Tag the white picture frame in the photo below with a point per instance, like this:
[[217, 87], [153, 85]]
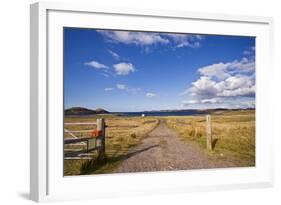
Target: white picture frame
[[46, 177]]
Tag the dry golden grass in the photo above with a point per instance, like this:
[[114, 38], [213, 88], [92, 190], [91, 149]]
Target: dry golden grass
[[233, 134], [122, 133]]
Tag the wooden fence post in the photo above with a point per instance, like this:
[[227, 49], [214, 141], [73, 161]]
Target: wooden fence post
[[101, 139], [209, 132]]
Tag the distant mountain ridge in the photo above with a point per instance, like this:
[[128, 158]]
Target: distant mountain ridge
[[84, 111], [200, 110]]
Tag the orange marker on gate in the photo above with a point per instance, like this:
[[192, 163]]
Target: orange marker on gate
[[96, 133]]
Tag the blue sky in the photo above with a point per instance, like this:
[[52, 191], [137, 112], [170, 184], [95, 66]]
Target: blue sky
[[137, 71]]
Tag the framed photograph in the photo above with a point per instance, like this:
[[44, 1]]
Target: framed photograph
[[128, 102]]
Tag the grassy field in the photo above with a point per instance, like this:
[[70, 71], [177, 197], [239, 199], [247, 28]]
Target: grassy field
[[233, 138], [122, 133], [233, 134]]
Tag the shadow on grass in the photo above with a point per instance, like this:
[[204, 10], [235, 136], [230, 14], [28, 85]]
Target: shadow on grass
[[93, 165], [214, 142]]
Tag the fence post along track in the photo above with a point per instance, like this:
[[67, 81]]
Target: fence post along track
[[209, 132], [101, 139], [94, 141]]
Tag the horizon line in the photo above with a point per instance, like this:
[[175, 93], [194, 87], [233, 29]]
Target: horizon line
[[158, 110]]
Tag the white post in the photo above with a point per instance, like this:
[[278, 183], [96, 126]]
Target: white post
[[209, 132], [101, 139]]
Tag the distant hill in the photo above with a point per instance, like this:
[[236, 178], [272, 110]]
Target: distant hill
[[84, 111], [101, 111], [200, 110]]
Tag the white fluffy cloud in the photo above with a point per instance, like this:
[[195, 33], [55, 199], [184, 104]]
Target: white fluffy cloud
[[123, 68], [225, 70], [96, 65], [235, 82], [138, 38], [219, 70], [250, 51], [119, 68], [151, 38], [203, 87], [245, 65], [246, 52], [212, 100], [224, 82], [121, 86], [108, 89], [189, 102], [240, 85], [233, 86], [185, 40], [150, 95], [128, 89], [203, 101], [243, 91]]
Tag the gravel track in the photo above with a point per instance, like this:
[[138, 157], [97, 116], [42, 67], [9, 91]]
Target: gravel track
[[163, 150]]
